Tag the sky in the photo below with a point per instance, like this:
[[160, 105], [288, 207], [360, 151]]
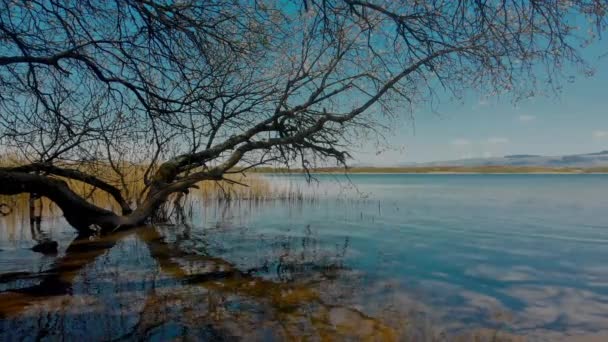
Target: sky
[[575, 121]]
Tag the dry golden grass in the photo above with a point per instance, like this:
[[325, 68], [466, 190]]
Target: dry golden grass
[[255, 187], [129, 178]]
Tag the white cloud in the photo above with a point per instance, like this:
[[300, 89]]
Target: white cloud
[[482, 102], [526, 118], [460, 142], [600, 135], [497, 140]]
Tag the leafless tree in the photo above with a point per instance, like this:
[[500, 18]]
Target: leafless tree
[[193, 90]]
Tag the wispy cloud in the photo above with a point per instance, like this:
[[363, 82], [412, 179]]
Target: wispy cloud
[[598, 135], [498, 140], [460, 142], [526, 118]]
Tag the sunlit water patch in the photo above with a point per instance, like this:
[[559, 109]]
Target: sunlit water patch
[[422, 257]]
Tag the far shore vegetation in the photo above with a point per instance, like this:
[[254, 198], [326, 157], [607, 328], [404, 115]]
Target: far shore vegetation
[[442, 169]]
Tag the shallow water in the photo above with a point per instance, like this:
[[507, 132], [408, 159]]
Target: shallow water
[[411, 257]]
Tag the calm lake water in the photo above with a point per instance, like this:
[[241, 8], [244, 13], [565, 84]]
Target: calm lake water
[[409, 257]]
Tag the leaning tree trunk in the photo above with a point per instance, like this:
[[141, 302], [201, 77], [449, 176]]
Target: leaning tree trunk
[[79, 213], [85, 216]]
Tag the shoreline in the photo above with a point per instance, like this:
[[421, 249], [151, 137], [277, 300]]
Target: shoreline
[[436, 173], [440, 170]]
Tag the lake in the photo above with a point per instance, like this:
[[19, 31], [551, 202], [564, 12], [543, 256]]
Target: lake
[[371, 256]]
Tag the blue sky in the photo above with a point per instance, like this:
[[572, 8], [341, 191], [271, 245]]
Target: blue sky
[[575, 121]]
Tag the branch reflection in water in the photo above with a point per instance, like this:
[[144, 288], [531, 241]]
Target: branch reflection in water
[[167, 293], [223, 281]]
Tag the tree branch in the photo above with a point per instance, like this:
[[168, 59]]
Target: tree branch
[[78, 212], [76, 175]]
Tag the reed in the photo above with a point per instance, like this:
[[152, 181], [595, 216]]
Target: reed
[[243, 188], [129, 178]]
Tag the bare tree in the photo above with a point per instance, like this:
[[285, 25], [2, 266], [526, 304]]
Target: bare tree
[[193, 90]]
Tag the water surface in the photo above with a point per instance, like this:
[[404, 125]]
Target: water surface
[[372, 256]]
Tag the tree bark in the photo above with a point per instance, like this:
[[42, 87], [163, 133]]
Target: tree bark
[[85, 216], [79, 176], [78, 212]]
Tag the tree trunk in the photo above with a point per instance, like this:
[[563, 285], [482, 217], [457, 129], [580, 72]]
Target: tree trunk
[[79, 213]]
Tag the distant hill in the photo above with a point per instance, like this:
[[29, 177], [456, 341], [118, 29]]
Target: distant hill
[[573, 160]]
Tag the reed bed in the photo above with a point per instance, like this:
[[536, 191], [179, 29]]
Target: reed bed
[[253, 187]]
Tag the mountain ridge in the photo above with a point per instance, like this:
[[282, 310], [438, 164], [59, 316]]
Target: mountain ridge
[[570, 160]]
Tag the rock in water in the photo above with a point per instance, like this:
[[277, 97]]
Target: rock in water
[[47, 247]]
